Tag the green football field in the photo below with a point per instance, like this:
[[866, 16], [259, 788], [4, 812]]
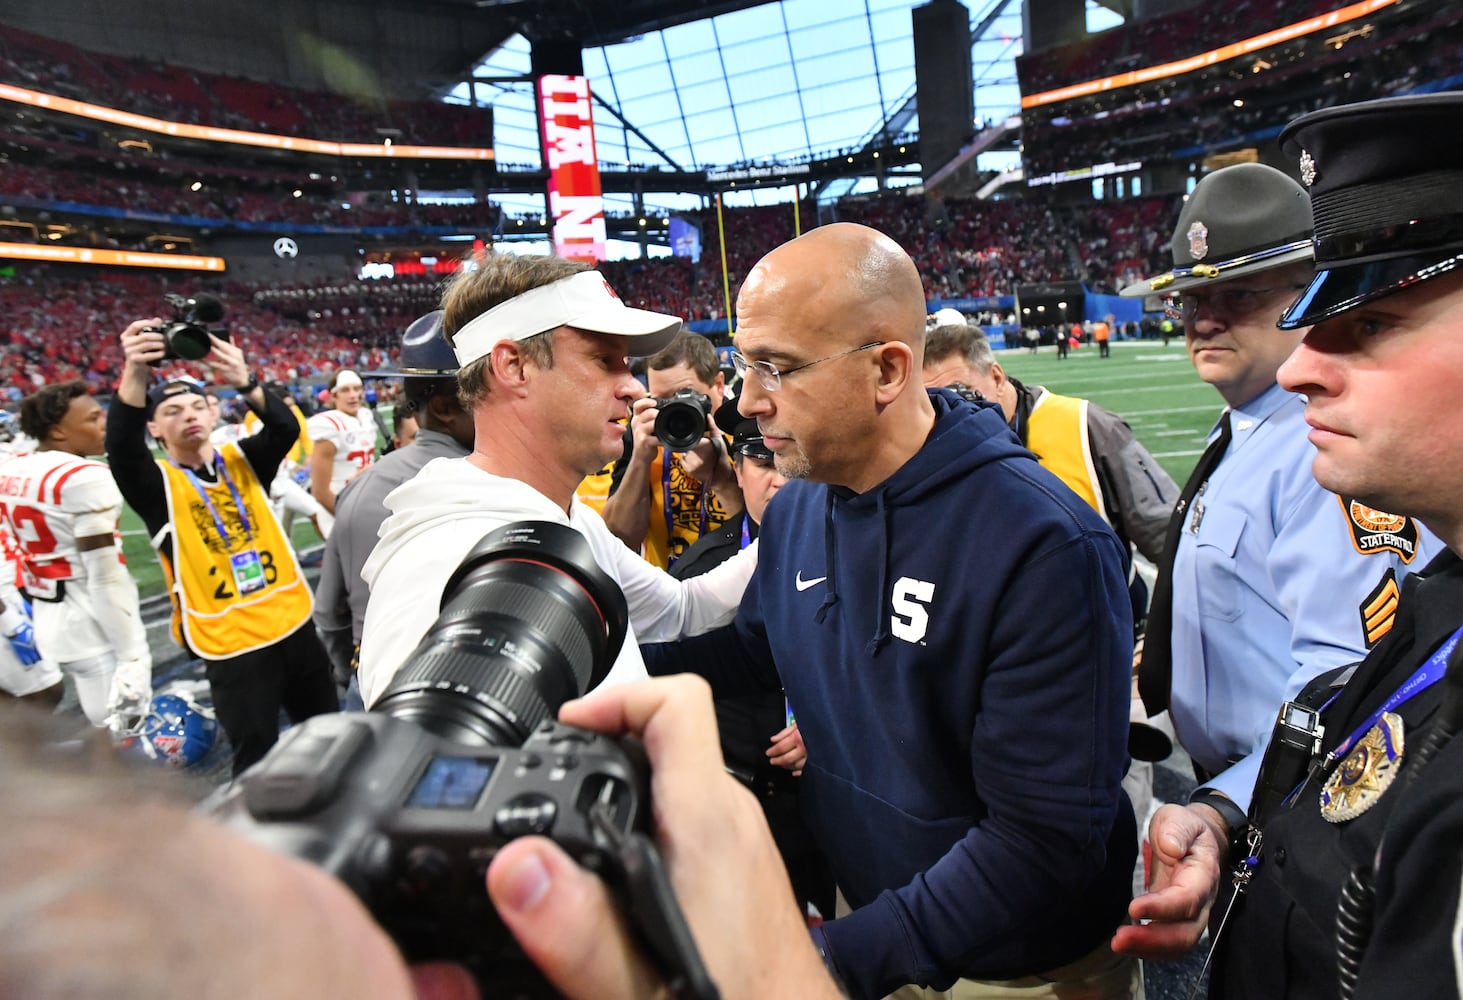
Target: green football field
[[1151, 386]]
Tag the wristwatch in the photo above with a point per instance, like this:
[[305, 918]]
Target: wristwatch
[[249, 386]]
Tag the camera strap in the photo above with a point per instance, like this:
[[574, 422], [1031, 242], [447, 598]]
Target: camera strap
[[653, 911]]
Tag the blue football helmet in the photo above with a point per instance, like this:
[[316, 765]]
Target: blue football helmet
[[178, 731], [9, 426]]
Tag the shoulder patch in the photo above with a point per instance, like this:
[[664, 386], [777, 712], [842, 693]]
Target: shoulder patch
[[1375, 530], [1379, 608]]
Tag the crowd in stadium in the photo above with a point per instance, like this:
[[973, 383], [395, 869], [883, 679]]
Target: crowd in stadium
[[176, 93]]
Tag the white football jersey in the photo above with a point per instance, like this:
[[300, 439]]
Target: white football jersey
[[354, 438], [48, 500]]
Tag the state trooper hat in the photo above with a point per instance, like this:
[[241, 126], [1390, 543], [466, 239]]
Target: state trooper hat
[[425, 353], [1386, 187], [1239, 220], [746, 436]]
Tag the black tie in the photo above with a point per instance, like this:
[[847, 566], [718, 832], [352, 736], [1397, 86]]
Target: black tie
[[1155, 670]]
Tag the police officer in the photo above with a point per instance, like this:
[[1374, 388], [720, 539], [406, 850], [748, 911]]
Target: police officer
[[1267, 579], [429, 369], [1356, 889]]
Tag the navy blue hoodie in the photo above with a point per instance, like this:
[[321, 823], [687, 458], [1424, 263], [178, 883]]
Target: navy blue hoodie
[[956, 644]]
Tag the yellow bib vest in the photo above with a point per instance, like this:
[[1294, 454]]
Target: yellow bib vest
[[213, 614], [1056, 431]]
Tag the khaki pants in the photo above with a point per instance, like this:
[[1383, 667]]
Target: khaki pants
[[1099, 975]]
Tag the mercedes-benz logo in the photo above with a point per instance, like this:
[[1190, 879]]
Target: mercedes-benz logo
[[286, 247]]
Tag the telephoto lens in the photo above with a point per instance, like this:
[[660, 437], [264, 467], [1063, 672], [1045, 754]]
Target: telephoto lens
[[528, 622]]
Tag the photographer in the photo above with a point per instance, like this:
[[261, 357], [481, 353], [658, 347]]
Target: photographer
[[429, 370], [661, 501], [240, 601], [85, 840]]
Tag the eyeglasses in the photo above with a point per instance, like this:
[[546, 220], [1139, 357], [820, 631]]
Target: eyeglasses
[[1223, 301], [769, 375]]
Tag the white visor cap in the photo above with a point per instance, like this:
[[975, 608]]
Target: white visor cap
[[584, 301]]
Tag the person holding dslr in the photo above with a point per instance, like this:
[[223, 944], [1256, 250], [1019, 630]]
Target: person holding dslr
[[664, 495], [85, 841], [240, 601]]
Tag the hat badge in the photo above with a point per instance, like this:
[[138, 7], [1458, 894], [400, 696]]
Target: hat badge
[[1198, 240], [1307, 169]]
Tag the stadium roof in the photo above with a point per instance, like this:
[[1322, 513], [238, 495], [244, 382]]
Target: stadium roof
[[688, 86]]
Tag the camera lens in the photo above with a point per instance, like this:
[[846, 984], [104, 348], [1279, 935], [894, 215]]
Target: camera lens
[[528, 622], [680, 424], [187, 341]]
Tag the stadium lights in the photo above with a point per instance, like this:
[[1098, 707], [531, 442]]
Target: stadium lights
[[196, 186]]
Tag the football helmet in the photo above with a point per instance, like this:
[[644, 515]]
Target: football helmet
[[9, 426], [178, 731]]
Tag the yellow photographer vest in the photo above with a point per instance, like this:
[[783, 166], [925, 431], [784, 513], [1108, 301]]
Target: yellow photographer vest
[[1056, 431], [225, 602]]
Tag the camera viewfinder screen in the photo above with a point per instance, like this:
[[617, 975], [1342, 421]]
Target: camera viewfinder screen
[[451, 783]]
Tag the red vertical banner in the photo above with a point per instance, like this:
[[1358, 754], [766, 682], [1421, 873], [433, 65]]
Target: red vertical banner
[[567, 128]]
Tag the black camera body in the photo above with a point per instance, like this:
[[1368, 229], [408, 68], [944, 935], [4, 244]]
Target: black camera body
[[186, 335], [408, 803], [410, 820], [682, 417]]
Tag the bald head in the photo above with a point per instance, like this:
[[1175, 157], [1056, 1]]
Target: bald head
[[829, 276], [840, 314]]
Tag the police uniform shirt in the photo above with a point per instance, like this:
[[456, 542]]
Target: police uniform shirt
[[1281, 940], [1270, 582]]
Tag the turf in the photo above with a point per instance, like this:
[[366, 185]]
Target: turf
[[1152, 387]]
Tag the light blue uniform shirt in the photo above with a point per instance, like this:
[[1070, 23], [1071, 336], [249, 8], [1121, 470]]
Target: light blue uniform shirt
[[1268, 586]]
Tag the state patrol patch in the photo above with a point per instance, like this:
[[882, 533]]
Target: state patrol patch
[[1375, 530]]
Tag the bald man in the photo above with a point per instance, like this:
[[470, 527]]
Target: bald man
[[962, 688]]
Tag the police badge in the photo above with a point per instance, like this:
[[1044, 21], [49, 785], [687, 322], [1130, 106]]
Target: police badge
[[1198, 240], [1307, 169], [1365, 773]]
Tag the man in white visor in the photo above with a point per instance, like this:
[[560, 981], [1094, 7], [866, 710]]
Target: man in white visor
[[543, 345]]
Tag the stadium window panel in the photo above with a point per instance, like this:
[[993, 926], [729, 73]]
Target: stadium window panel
[[777, 83]]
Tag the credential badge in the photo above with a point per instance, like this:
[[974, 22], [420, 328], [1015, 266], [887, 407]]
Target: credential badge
[[1198, 240], [1307, 169]]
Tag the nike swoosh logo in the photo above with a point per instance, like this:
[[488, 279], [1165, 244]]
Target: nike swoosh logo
[[802, 584]]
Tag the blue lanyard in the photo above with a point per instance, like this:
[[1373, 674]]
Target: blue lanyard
[[218, 521], [746, 530], [1422, 678]]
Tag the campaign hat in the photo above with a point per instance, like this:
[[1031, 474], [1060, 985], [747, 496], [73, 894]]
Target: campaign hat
[[1239, 220], [1386, 186], [424, 352], [746, 436]]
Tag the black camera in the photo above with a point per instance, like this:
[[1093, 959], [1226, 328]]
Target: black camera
[[407, 804], [186, 336], [682, 418]]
